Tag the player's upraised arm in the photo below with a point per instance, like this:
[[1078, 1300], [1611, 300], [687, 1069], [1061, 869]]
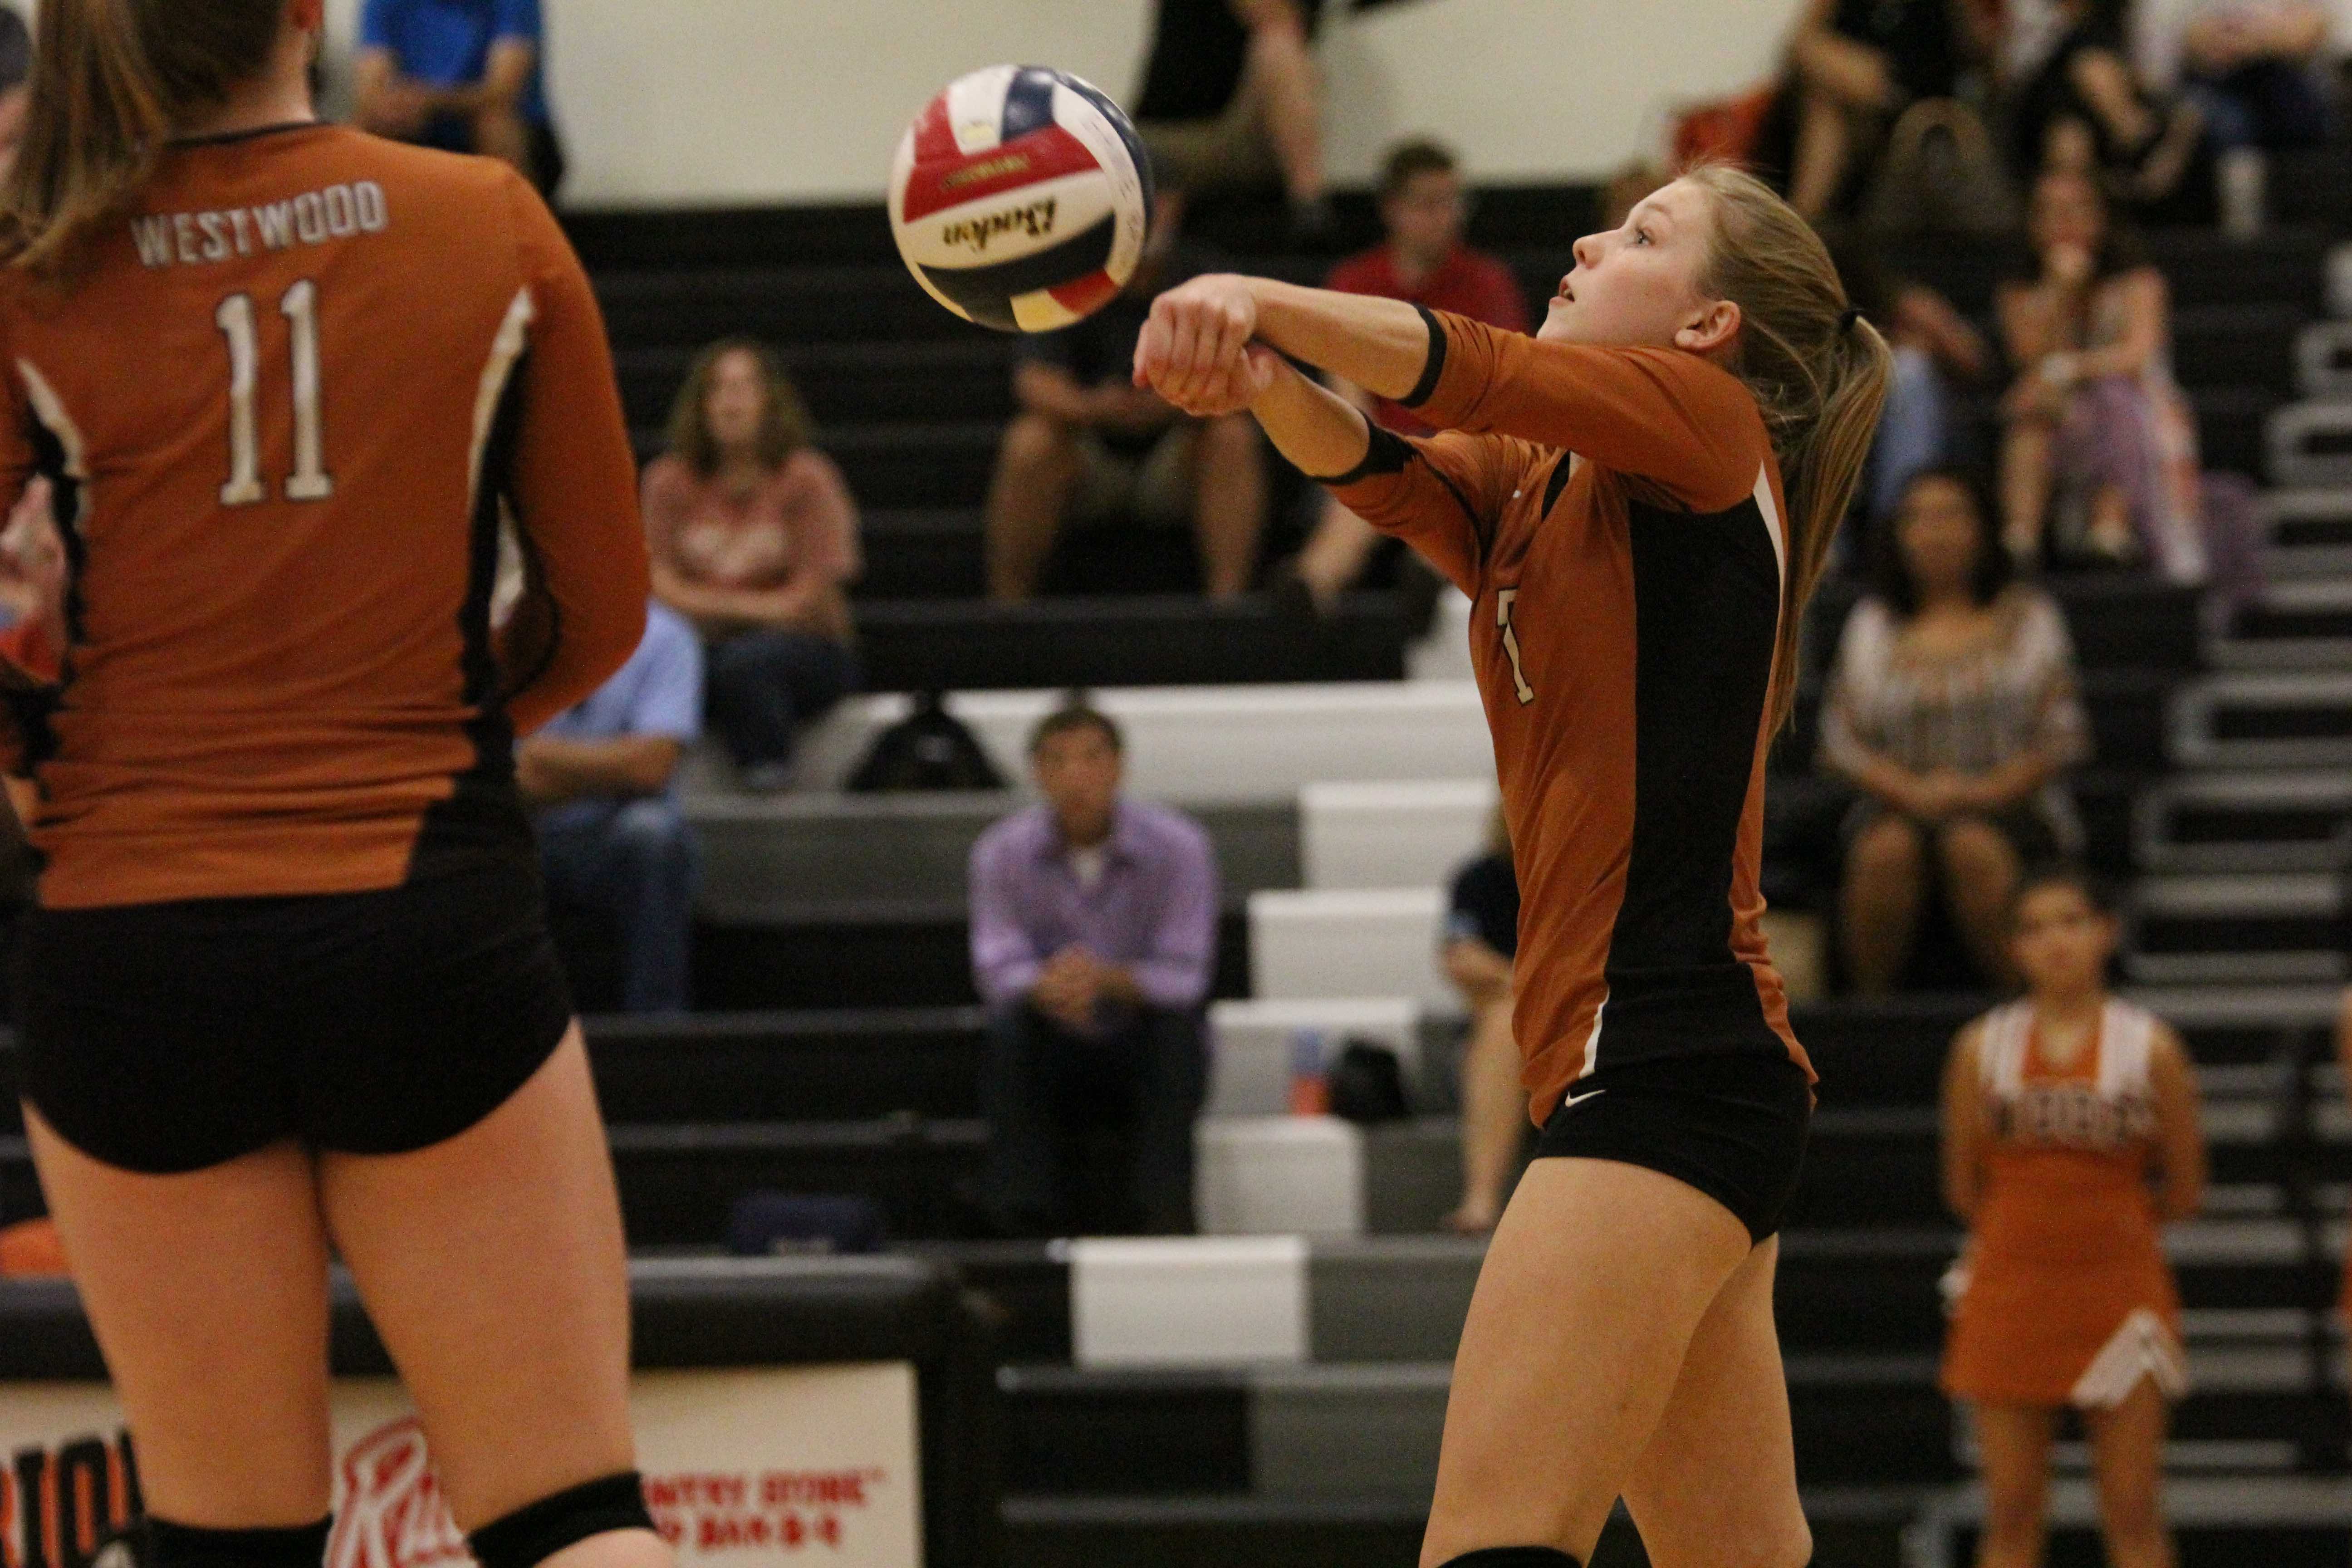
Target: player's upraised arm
[[575, 488], [1659, 414], [1440, 497]]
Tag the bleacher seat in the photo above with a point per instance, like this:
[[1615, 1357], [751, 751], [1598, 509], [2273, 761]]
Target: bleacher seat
[[1259, 1175], [1359, 942], [1179, 1301], [1250, 1043], [1409, 834], [1211, 743]]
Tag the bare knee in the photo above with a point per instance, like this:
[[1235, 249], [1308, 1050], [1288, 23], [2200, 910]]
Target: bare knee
[[1977, 858], [2013, 1524], [1227, 441], [1035, 443], [1887, 852]]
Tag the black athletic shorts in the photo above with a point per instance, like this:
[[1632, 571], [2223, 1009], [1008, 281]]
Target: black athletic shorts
[[172, 1037], [1732, 1126]]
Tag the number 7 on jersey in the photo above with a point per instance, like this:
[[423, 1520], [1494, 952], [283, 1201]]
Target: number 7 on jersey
[[1505, 600], [310, 481]]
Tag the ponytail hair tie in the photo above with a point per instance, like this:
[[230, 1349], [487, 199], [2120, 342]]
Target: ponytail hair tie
[[1847, 317]]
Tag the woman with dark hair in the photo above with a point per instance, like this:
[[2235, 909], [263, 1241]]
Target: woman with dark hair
[[754, 538], [2100, 457], [1952, 707]]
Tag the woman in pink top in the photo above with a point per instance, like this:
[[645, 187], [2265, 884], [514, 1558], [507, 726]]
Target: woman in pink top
[[754, 538]]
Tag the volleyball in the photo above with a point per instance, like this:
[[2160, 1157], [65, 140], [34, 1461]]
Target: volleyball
[[1019, 198]]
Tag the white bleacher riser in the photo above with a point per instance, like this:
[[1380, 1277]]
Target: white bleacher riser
[[2192, 708], [2311, 596], [2296, 430], [1401, 834], [2339, 280], [1278, 1176], [1188, 1300], [2317, 792], [1249, 1045], [1445, 652], [1371, 942], [2285, 896], [1205, 743], [2323, 360], [2281, 515]]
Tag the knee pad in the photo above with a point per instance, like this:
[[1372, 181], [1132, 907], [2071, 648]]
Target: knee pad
[[159, 1544], [537, 1532], [1514, 1557]]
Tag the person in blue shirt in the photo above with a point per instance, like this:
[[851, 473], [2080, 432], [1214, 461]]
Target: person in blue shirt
[[610, 837], [461, 75]]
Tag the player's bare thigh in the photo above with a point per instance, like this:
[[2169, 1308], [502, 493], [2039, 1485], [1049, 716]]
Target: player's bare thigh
[[1717, 1488], [493, 1266], [208, 1293], [1598, 1276]]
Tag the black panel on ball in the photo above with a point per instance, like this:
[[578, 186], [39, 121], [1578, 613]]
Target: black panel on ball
[[986, 293]]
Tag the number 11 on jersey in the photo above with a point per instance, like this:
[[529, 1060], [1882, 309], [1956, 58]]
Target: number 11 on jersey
[[1504, 599], [310, 480]]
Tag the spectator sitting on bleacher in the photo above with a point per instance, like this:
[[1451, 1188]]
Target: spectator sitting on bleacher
[[2086, 111], [466, 76], [2252, 68], [1937, 352], [1231, 99], [602, 780], [1953, 707], [1094, 927], [1857, 67], [2099, 462], [1089, 445], [1423, 209], [754, 538], [1482, 938]]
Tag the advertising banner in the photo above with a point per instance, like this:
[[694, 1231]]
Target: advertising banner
[[748, 1468]]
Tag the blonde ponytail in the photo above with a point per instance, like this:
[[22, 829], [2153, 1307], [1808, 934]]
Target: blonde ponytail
[[110, 79], [1819, 373]]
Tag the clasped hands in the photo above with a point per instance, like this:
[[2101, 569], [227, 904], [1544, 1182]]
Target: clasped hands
[[1073, 984], [1198, 349]]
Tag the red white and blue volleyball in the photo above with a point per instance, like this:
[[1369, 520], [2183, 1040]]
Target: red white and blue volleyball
[[1020, 197]]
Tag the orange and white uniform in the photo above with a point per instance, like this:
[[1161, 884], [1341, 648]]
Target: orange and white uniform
[[287, 403], [2065, 1296]]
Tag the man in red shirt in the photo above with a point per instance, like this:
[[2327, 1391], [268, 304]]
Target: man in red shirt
[[1423, 207]]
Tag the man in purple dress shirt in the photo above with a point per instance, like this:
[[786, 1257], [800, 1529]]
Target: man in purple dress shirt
[[1094, 933]]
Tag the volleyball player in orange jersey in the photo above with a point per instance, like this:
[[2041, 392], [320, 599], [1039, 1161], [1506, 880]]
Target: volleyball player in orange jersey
[[2058, 1109], [288, 986], [1639, 499]]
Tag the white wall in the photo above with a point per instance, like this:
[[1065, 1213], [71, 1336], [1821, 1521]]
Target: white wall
[[715, 101]]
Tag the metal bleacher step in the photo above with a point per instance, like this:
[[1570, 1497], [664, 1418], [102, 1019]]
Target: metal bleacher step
[[2272, 821], [2280, 927], [2299, 624], [2309, 443], [2323, 360], [2262, 721], [2305, 533]]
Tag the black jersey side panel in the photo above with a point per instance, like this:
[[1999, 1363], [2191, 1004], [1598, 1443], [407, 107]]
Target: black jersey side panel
[[1707, 607]]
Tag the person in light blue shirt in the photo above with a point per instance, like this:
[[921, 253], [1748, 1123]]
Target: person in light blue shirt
[[602, 779], [462, 75]]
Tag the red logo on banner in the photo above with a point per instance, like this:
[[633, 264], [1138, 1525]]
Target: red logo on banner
[[392, 1513]]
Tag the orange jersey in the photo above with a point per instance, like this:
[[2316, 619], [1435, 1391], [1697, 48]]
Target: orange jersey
[[287, 402], [1614, 515], [2065, 1296]]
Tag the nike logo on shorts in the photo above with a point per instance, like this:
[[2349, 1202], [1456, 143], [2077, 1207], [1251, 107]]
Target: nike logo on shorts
[[1573, 1101]]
